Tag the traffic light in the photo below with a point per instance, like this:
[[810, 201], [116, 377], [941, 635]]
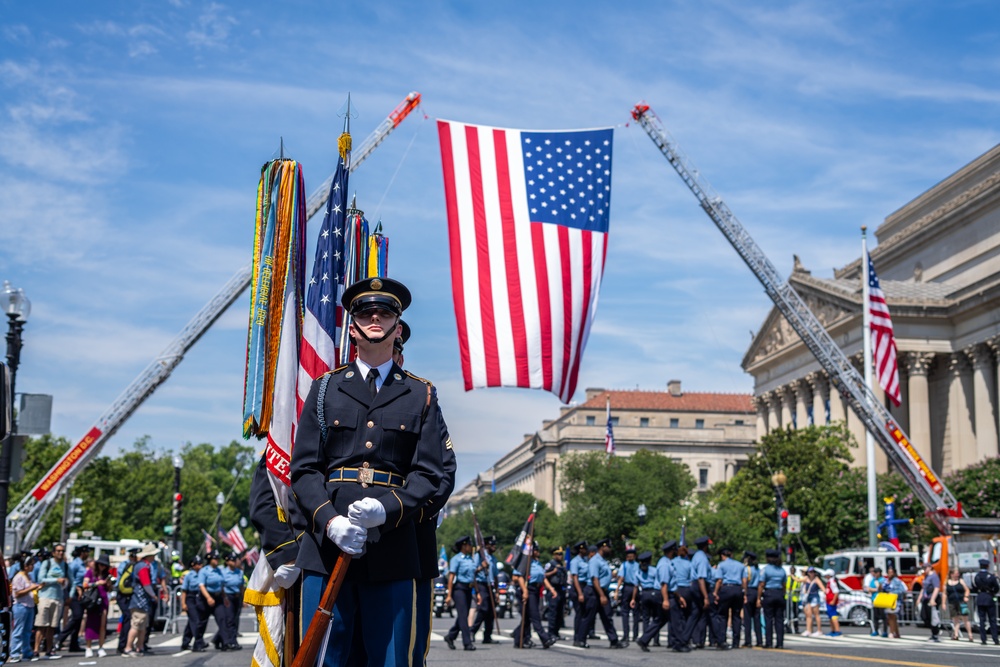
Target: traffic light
[[790, 555], [75, 517], [176, 516], [783, 522]]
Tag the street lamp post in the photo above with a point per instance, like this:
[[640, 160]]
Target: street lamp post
[[641, 511], [779, 479], [178, 502], [18, 307], [220, 500]]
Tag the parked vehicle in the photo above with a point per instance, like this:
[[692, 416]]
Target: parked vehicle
[[851, 566]]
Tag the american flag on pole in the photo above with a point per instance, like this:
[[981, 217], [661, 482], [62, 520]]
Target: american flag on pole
[[609, 435], [208, 541], [224, 538], [528, 220], [324, 315], [883, 341], [236, 539]]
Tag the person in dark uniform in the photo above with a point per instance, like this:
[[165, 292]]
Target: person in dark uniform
[[623, 594], [700, 575], [681, 601], [578, 576], [644, 603], [751, 614], [214, 580], [461, 574], [232, 588], [730, 593], [486, 577], [987, 587], [368, 458], [555, 611], [531, 586], [771, 599], [194, 602], [595, 593]]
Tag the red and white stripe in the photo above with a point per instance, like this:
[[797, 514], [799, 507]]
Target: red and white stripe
[[883, 340], [236, 539], [318, 352], [525, 292]]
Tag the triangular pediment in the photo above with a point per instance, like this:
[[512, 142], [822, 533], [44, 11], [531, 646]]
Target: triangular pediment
[[830, 302]]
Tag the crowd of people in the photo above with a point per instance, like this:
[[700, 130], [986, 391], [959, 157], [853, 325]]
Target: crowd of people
[[61, 603], [731, 604]]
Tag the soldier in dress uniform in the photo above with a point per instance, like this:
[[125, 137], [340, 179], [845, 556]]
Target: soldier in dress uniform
[[730, 593], [555, 572], [623, 593], [751, 614], [701, 574], [461, 575], [486, 577], [596, 595], [368, 457], [578, 575]]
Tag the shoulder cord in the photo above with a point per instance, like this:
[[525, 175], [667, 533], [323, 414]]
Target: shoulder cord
[[321, 408]]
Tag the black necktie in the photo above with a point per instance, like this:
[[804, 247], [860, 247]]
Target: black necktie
[[372, 376]]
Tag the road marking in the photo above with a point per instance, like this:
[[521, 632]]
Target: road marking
[[881, 661]]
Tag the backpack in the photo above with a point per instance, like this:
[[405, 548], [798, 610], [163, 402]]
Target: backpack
[[125, 580]]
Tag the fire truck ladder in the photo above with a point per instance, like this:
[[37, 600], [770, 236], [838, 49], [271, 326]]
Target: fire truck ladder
[[938, 500], [26, 521]]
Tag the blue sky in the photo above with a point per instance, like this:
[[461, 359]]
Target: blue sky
[[132, 134]]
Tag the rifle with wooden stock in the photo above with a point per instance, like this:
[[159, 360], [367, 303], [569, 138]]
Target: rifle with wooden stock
[[309, 650]]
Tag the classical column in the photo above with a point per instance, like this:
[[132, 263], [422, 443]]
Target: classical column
[[773, 399], [960, 450], [760, 405], [787, 405], [917, 365], [983, 391], [803, 398], [820, 392]]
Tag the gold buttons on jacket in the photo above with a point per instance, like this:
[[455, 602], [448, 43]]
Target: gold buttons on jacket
[[371, 424], [365, 464], [336, 422], [402, 427], [368, 444]]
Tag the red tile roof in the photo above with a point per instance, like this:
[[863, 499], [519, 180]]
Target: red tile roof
[[689, 401]]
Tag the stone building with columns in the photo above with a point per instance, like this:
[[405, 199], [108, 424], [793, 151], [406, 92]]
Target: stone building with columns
[[938, 262], [712, 433]]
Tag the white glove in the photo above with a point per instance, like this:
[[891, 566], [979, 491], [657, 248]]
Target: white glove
[[347, 535], [286, 575], [366, 512]]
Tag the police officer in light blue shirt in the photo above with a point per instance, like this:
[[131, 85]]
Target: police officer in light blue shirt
[[461, 574], [597, 601], [232, 587], [751, 614], [730, 590], [682, 601], [213, 578], [660, 599], [701, 572], [578, 575], [194, 602], [623, 593], [771, 599], [531, 595], [486, 576], [644, 599]]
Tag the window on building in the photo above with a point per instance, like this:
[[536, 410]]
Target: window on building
[[699, 423], [739, 422], [703, 478], [675, 422], [591, 420], [644, 422], [614, 421]]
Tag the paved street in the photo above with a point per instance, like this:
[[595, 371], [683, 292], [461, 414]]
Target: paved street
[[856, 647]]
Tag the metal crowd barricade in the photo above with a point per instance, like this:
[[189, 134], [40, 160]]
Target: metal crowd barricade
[[170, 613]]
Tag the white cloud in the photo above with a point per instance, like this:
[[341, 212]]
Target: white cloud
[[211, 28]]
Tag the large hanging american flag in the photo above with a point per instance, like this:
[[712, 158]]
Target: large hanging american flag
[[318, 352], [883, 341], [528, 220]]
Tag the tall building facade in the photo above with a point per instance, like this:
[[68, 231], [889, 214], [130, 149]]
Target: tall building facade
[[938, 261], [711, 433]]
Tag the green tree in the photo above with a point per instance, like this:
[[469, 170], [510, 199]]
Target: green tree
[[601, 497], [821, 487]]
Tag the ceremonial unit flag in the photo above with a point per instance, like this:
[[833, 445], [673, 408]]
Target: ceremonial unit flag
[[324, 316], [528, 216], [609, 435], [883, 341], [236, 540], [520, 554]]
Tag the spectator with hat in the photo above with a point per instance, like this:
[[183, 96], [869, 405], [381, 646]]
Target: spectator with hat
[[771, 599], [987, 587], [486, 576], [555, 611], [141, 605], [751, 614], [812, 590], [22, 590], [627, 581], [596, 597], [124, 596], [367, 460], [700, 576], [578, 574], [97, 576], [461, 574]]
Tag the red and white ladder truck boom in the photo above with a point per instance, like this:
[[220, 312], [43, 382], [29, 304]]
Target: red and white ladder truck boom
[[26, 520], [942, 507]]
